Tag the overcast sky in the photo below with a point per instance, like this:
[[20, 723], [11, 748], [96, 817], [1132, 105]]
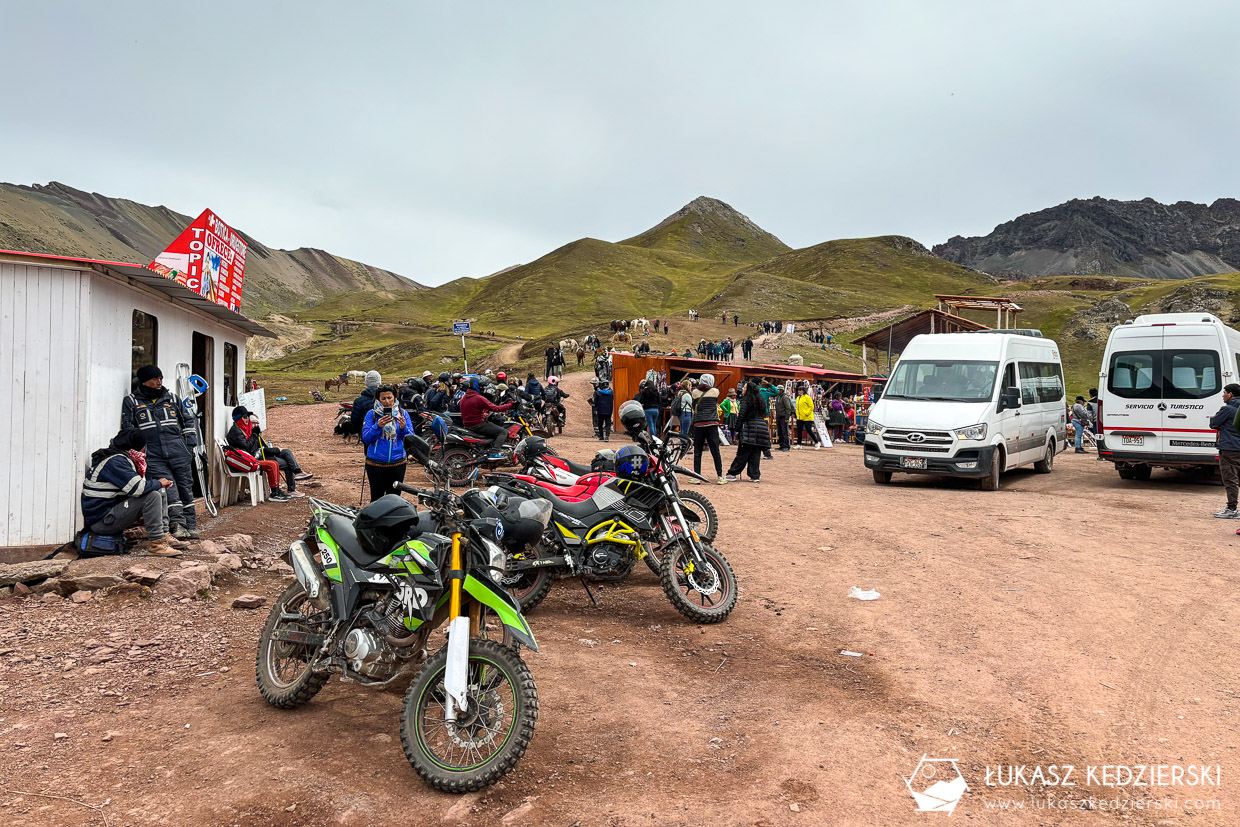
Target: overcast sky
[[454, 139]]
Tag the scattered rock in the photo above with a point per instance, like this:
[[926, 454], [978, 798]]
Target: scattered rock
[[516, 816], [280, 567], [5, 591], [249, 601], [461, 811], [60, 736], [22, 590], [11, 573], [67, 554], [210, 547], [229, 561], [290, 808], [237, 543], [80, 596], [101, 655], [185, 583], [143, 574], [796, 808], [51, 597], [108, 736], [89, 581]]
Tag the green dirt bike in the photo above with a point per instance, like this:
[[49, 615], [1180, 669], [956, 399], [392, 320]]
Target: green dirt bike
[[371, 587]]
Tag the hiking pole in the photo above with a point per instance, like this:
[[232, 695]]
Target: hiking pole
[[361, 493]]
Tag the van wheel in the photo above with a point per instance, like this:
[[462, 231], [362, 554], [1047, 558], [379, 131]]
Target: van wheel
[[1134, 472], [882, 477], [990, 482], [1047, 463]]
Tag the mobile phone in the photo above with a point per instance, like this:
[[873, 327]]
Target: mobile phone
[[387, 411]]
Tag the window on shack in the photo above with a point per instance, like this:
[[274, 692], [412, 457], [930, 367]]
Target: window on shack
[[145, 345]]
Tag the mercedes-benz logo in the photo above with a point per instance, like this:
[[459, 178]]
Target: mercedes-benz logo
[[916, 437], [1162, 406]]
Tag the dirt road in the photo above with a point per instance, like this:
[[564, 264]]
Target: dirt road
[[1069, 618]]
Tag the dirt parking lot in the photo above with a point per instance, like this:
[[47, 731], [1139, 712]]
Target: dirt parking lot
[[1068, 619]]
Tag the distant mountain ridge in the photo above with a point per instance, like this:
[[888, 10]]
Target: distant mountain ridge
[[61, 220], [709, 228], [1143, 238]]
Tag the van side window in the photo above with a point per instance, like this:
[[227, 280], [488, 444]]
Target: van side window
[[1009, 376], [1052, 381], [1029, 380], [1040, 382]]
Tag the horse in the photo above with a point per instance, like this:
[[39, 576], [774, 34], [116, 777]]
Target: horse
[[336, 382], [568, 345]]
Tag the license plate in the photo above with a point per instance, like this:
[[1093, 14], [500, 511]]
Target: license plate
[[912, 462], [1133, 440]]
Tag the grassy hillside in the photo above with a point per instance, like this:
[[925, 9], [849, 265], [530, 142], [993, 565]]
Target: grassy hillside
[[709, 228]]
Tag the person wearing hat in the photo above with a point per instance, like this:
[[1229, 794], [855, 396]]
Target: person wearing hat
[[117, 493], [245, 435], [170, 437], [1081, 419], [365, 402]]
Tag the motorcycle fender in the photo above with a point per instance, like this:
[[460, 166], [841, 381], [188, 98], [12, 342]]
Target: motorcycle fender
[[456, 673], [498, 600], [308, 574]]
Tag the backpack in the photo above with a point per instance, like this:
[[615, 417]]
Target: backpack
[[241, 461], [678, 403], [88, 544]]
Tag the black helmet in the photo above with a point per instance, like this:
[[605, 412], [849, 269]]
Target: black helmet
[[524, 521], [632, 417], [445, 377], [384, 523], [529, 449], [417, 384], [604, 460]]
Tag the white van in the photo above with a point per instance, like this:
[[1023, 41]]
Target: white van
[[1162, 379], [969, 405]]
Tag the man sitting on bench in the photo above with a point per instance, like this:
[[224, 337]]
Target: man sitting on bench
[[116, 494]]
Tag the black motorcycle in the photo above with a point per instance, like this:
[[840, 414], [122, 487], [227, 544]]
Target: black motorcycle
[[630, 517], [464, 454]]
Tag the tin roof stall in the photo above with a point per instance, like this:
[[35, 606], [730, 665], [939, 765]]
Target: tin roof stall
[[896, 336], [627, 371], [72, 333]]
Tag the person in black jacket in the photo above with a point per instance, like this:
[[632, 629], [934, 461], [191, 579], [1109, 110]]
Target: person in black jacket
[[116, 494], [753, 435], [364, 403], [171, 434], [604, 403], [648, 397], [246, 435], [1228, 449]]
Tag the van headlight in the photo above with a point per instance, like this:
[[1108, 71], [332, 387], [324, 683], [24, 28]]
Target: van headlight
[[872, 427], [972, 432]]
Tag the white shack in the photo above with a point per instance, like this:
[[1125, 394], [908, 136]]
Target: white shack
[[72, 333]]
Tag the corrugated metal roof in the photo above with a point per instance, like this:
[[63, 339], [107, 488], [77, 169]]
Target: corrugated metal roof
[[168, 287]]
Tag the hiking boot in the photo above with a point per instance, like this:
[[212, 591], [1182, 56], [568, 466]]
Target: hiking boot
[[179, 531], [190, 534], [756, 479], [180, 545], [1228, 514], [161, 548], [278, 496]]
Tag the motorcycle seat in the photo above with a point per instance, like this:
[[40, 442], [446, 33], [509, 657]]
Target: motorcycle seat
[[573, 467], [580, 509]]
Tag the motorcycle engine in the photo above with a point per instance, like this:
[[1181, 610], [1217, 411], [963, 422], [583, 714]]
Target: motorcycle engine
[[368, 654], [607, 561]]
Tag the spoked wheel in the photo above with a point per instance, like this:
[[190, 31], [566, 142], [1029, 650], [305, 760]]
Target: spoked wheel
[[459, 466], [485, 741], [708, 519], [528, 587], [283, 669], [704, 593]]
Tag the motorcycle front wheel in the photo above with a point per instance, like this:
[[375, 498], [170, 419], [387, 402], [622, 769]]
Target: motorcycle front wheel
[[704, 593], [486, 741], [528, 587]]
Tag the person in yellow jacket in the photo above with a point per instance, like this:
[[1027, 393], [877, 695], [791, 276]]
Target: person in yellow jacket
[[805, 417]]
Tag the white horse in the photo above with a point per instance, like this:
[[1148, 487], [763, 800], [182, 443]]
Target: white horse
[[568, 345], [643, 324]]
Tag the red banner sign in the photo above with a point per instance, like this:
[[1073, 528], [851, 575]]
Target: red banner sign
[[208, 258]]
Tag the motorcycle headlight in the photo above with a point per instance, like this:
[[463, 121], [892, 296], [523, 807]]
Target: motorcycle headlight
[[972, 432], [497, 556], [873, 427]]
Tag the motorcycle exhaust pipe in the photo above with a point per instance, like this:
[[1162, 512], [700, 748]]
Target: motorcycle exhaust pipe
[[308, 574]]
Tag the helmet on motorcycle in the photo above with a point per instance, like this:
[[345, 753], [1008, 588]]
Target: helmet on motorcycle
[[604, 460], [632, 462], [445, 377], [501, 377], [440, 426], [553, 381], [632, 417], [383, 524], [529, 449]]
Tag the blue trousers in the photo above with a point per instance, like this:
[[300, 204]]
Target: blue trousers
[[652, 420], [1080, 430]]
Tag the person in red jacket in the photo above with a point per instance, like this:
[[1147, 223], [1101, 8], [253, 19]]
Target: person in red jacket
[[474, 410]]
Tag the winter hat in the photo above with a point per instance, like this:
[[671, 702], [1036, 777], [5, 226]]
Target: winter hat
[[240, 412], [148, 372], [131, 439], [373, 379]]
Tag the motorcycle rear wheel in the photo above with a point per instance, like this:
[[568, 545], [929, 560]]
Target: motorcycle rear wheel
[[529, 588], [459, 465], [279, 681], [703, 596], [455, 757], [708, 525]]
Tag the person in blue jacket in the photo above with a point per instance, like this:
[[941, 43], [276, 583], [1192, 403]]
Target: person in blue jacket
[[383, 433], [604, 403], [533, 387], [437, 397]]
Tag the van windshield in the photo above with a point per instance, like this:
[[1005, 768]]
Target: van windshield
[[945, 381], [1164, 374]]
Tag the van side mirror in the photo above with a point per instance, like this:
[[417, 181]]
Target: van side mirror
[[1010, 398]]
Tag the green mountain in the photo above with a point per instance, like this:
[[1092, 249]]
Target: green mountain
[[708, 228], [60, 220]]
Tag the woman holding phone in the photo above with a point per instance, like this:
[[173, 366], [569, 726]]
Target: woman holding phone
[[383, 433]]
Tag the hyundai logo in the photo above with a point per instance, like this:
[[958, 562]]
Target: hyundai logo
[[916, 437]]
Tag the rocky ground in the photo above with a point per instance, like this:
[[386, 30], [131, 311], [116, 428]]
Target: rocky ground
[[1068, 618]]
